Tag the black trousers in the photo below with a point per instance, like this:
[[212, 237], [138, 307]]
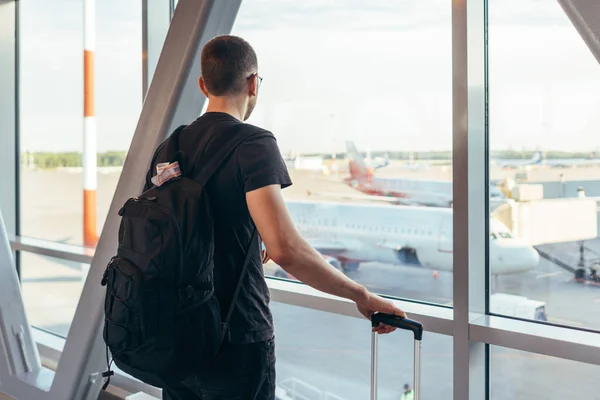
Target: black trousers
[[238, 372]]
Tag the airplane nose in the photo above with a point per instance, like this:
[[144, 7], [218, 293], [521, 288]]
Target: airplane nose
[[525, 258], [516, 258], [531, 257]]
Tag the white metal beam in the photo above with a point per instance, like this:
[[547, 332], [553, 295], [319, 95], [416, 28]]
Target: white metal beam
[[9, 115], [469, 162], [173, 98], [156, 17]]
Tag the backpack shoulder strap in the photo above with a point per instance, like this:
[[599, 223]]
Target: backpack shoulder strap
[[238, 288], [224, 143], [167, 149]]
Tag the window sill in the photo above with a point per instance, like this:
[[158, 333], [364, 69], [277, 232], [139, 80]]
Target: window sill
[[553, 341], [52, 249]]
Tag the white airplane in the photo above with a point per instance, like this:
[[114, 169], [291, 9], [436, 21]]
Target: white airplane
[[414, 236]]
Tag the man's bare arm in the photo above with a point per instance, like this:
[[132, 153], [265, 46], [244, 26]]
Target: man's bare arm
[[291, 252]]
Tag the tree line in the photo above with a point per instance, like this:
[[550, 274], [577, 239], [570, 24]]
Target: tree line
[[48, 160], [447, 155]]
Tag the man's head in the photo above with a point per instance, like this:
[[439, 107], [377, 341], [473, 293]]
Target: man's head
[[230, 72], [406, 388]]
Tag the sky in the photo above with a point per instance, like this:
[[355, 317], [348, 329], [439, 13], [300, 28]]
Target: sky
[[378, 73]]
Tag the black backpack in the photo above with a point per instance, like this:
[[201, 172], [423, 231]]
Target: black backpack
[[162, 319]]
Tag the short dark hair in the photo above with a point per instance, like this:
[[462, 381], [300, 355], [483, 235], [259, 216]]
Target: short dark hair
[[225, 62]]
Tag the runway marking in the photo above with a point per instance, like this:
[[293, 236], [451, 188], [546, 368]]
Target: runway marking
[[549, 274]]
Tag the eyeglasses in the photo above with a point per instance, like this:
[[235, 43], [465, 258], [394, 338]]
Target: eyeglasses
[[257, 75]]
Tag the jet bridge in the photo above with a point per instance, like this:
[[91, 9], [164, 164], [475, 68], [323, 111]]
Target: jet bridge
[[542, 222], [546, 221]]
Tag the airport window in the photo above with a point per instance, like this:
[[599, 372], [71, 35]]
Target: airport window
[[56, 198], [305, 48], [544, 91], [51, 289], [518, 374], [544, 250], [52, 113]]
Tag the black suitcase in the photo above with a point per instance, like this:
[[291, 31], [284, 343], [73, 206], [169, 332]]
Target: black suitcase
[[401, 323]]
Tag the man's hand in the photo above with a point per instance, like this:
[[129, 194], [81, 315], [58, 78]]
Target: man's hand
[[372, 303], [265, 257]]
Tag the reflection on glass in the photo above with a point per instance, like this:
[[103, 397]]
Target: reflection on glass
[[51, 290], [359, 97], [519, 375], [326, 356], [544, 97], [51, 110]]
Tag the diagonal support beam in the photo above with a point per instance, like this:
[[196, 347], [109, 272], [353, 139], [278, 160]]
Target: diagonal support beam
[[585, 16]]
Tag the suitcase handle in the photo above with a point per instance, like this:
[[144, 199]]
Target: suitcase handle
[[398, 322]]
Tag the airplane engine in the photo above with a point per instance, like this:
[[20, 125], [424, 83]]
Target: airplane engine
[[408, 256]]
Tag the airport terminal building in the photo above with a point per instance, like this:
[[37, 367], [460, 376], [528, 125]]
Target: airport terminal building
[[442, 153]]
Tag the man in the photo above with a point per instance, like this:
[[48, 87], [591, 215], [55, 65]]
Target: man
[[408, 393], [244, 193]]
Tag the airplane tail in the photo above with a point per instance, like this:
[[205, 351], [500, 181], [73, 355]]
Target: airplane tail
[[537, 157], [357, 166]]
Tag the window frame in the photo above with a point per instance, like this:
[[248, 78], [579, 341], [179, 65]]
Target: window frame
[[469, 322]]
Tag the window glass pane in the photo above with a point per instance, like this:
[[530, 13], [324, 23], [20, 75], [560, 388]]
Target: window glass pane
[[544, 98], [51, 290], [519, 375], [321, 354], [359, 97], [52, 110]]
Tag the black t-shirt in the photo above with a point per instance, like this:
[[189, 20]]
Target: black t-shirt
[[254, 164]]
